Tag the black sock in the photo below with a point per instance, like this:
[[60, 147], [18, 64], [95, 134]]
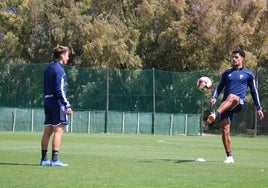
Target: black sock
[[229, 154], [217, 114], [44, 154], [55, 155]]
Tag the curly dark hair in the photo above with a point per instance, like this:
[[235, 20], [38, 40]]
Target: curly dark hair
[[240, 52]]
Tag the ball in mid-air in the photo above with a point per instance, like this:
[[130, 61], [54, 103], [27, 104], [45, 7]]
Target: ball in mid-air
[[204, 84]]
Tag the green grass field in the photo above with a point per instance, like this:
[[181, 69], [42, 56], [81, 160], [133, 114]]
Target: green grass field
[[114, 160]]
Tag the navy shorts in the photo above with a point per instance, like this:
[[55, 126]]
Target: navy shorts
[[229, 113], [55, 112]]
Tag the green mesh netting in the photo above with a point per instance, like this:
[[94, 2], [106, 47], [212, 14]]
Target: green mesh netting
[[136, 93]]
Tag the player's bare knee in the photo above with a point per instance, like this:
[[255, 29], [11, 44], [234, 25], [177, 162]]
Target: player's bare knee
[[232, 98]]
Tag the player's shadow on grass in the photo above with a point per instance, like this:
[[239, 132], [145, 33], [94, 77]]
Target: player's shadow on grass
[[17, 164], [169, 160], [185, 161], [179, 160]]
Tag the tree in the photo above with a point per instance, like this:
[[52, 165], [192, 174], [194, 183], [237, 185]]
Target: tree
[[173, 35], [12, 25]]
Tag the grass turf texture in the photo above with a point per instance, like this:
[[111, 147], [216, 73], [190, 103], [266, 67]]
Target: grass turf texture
[[114, 160]]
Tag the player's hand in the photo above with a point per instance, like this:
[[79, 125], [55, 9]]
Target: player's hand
[[212, 102], [260, 114], [69, 111]]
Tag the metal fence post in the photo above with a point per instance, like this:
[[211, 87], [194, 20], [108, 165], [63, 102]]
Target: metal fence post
[[258, 69], [14, 120], [138, 123], [107, 101], [123, 123], [32, 120], [153, 115], [88, 122], [171, 125]]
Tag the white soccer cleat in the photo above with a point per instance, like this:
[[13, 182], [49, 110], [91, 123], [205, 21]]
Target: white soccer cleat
[[211, 117], [57, 163], [229, 160]]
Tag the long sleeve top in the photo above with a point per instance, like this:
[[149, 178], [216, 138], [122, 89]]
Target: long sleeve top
[[236, 81], [54, 83]]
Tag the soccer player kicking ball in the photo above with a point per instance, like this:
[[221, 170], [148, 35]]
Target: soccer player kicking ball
[[56, 106], [235, 82]]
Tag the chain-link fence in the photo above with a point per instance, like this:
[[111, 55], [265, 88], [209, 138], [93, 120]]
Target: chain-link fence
[[152, 92]]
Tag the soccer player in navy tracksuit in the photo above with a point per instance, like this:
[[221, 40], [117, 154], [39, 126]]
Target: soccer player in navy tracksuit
[[56, 106], [235, 82]]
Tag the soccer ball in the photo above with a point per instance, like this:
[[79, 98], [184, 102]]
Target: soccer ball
[[204, 84]]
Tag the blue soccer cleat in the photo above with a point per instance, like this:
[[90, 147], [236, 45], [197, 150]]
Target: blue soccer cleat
[[45, 163], [57, 163]]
